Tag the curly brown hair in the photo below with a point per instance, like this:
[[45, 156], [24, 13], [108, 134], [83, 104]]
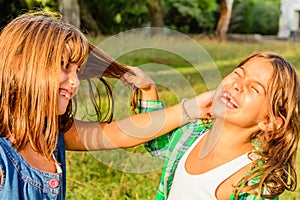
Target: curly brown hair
[[276, 167]]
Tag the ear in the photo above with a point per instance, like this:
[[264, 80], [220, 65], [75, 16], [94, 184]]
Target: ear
[[269, 125]]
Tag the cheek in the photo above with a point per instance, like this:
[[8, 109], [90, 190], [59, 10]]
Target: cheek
[[62, 77], [218, 108], [61, 106], [76, 88], [227, 80], [263, 108], [255, 101], [257, 109]]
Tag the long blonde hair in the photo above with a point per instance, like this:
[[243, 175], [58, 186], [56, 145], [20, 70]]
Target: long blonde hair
[[276, 167], [32, 48]]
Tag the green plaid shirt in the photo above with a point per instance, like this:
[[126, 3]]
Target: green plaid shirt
[[171, 148]]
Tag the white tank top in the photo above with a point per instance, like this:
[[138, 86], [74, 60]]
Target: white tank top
[[202, 186]]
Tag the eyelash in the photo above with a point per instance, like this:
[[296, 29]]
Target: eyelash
[[236, 73], [256, 90]]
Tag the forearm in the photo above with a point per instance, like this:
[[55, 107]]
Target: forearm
[[128, 132], [135, 129], [141, 128]]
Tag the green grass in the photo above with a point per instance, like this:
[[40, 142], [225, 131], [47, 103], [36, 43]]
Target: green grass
[[89, 178]]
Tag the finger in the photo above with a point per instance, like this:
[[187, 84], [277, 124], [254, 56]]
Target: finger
[[212, 93], [208, 96], [124, 81]]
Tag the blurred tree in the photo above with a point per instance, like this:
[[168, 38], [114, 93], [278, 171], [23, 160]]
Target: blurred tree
[[255, 16], [187, 16], [224, 19], [49, 5], [88, 23], [70, 10], [155, 12], [114, 16], [10, 9]]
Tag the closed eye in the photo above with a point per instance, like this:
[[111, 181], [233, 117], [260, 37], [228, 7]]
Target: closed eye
[[239, 72], [255, 89], [236, 73]]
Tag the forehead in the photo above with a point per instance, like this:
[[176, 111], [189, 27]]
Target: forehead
[[259, 68]]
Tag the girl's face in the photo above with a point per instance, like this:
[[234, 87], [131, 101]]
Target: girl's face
[[68, 86], [241, 97]]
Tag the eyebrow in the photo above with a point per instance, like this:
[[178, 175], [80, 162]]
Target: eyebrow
[[257, 82]]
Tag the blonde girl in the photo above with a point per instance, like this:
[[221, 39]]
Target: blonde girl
[[41, 56]]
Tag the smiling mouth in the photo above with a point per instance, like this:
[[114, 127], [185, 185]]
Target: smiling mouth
[[65, 94], [229, 101]]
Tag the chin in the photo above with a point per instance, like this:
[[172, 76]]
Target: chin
[[61, 111], [220, 113]]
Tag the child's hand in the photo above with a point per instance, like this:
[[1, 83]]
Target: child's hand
[[204, 101], [138, 78], [200, 106]]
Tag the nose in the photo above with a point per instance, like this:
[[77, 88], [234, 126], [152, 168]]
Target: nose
[[238, 86]]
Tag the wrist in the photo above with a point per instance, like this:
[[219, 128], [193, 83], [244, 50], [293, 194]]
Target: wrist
[[149, 93], [150, 86], [190, 109], [185, 114]]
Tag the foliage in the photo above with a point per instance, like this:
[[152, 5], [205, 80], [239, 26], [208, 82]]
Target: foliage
[[196, 16], [267, 22], [190, 16], [10, 10], [13, 8], [182, 15], [255, 16], [118, 15], [51, 5]]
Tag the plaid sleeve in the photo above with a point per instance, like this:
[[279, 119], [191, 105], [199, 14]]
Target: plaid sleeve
[[156, 146], [150, 105]]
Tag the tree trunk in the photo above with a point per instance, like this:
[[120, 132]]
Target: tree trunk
[[155, 11], [88, 22], [70, 11], [224, 20]]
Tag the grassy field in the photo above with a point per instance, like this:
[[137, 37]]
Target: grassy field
[[89, 177]]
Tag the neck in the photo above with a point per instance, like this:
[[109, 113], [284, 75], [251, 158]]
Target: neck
[[226, 137]]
